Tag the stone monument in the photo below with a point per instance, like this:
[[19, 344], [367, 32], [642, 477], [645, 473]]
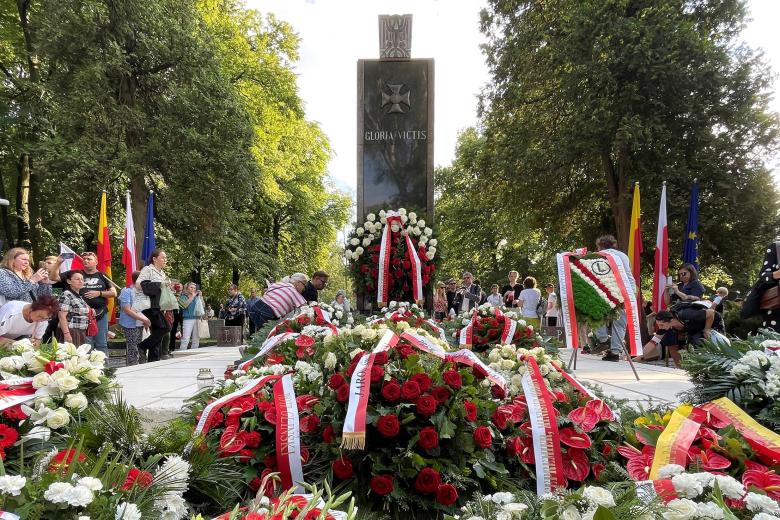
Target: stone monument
[[395, 124]]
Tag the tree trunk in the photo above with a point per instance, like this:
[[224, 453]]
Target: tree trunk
[[35, 215], [618, 199], [197, 269], [7, 228], [22, 201], [236, 275]]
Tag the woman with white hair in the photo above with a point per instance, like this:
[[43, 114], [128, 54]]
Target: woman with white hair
[[341, 301], [280, 299]]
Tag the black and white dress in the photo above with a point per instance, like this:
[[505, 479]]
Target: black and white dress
[[770, 319]]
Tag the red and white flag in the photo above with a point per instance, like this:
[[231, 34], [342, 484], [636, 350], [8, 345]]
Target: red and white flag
[[129, 258], [71, 259], [661, 271]]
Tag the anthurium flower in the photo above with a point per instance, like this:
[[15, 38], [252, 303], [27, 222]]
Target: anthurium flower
[[584, 417], [766, 481], [708, 459], [575, 465], [639, 462], [571, 437]]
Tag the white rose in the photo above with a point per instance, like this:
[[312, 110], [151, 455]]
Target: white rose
[[76, 402], [12, 484], [433, 242], [330, 360], [371, 237], [359, 231], [432, 250], [371, 217], [416, 231], [97, 357], [383, 220], [359, 250], [429, 255], [67, 383], [382, 213], [402, 211], [41, 380], [366, 242], [515, 508], [421, 223], [354, 241], [465, 321], [423, 240], [680, 509], [507, 364], [355, 256], [58, 418], [571, 513], [404, 219], [7, 364], [599, 496]]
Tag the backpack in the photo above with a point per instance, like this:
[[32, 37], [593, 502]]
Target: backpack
[[541, 307]]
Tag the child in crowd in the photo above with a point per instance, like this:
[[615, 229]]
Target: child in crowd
[[494, 298]]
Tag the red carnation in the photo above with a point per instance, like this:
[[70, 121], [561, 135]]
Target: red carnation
[[309, 423], [453, 379], [380, 358], [382, 484], [327, 434], [137, 477], [423, 380], [471, 410], [427, 481], [252, 439], [8, 436], [336, 381], [426, 405], [410, 390], [429, 438], [388, 425], [441, 394], [342, 394], [483, 437], [446, 495], [391, 391], [377, 373], [342, 468]]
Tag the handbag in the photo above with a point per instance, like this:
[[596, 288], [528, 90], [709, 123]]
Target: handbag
[[168, 301], [92, 328], [203, 329], [198, 311], [770, 298], [141, 301]]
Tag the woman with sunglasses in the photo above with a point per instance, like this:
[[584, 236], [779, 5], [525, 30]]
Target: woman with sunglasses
[[688, 289]]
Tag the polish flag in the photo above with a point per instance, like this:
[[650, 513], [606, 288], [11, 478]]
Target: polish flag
[[661, 271], [71, 259], [129, 258]]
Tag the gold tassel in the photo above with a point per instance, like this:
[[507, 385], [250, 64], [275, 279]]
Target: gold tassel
[[353, 441]]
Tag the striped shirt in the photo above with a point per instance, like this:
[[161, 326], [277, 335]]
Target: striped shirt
[[283, 298]]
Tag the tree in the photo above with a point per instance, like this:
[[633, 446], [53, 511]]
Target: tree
[[589, 96]]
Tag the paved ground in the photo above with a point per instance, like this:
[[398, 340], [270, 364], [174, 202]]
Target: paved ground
[[159, 389]]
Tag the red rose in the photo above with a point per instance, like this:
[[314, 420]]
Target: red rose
[[410, 390], [364, 268], [382, 484], [377, 373], [135, 476], [380, 358], [388, 425], [478, 372], [452, 379], [309, 423], [471, 410], [391, 391], [423, 380], [429, 438], [405, 351], [426, 405], [252, 439], [441, 394], [498, 392], [342, 468], [336, 381], [327, 434], [342, 394], [427, 481], [446, 495], [483, 437]]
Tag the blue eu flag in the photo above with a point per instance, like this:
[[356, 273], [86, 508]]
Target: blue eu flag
[[150, 244], [691, 249]]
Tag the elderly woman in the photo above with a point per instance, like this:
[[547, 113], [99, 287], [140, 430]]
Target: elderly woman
[[341, 301], [188, 301], [150, 284], [280, 299], [26, 320], [18, 282]]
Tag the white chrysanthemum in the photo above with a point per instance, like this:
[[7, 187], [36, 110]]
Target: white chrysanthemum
[[680, 509], [501, 498], [764, 516], [330, 360], [354, 241], [710, 511], [761, 504], [91, 483], [730, 487], [125, 511], [599, 496], [687, 486], [670, 470], [12, 484], [174, 472]]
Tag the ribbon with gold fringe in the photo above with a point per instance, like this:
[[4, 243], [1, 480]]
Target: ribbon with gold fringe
[[544, 430], [466, 336], [268, 346], [674, 442], [424, 344], [629, 301], [288, 435], [567, 300], [385, 248], [414, 259], [762, 439], [354, 433]]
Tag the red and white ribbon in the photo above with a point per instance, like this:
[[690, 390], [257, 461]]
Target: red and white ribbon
[[414, 259], [16, 391], [424, 344], [204, 423], [325, 317], [567, 301], [510, 327], [385, 249], [438, 330], [629, 301], [288, 435], [5, 515], [354, 434], [466, 337], [648, 491], [268, 346], [544, 430], [469, 358]]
